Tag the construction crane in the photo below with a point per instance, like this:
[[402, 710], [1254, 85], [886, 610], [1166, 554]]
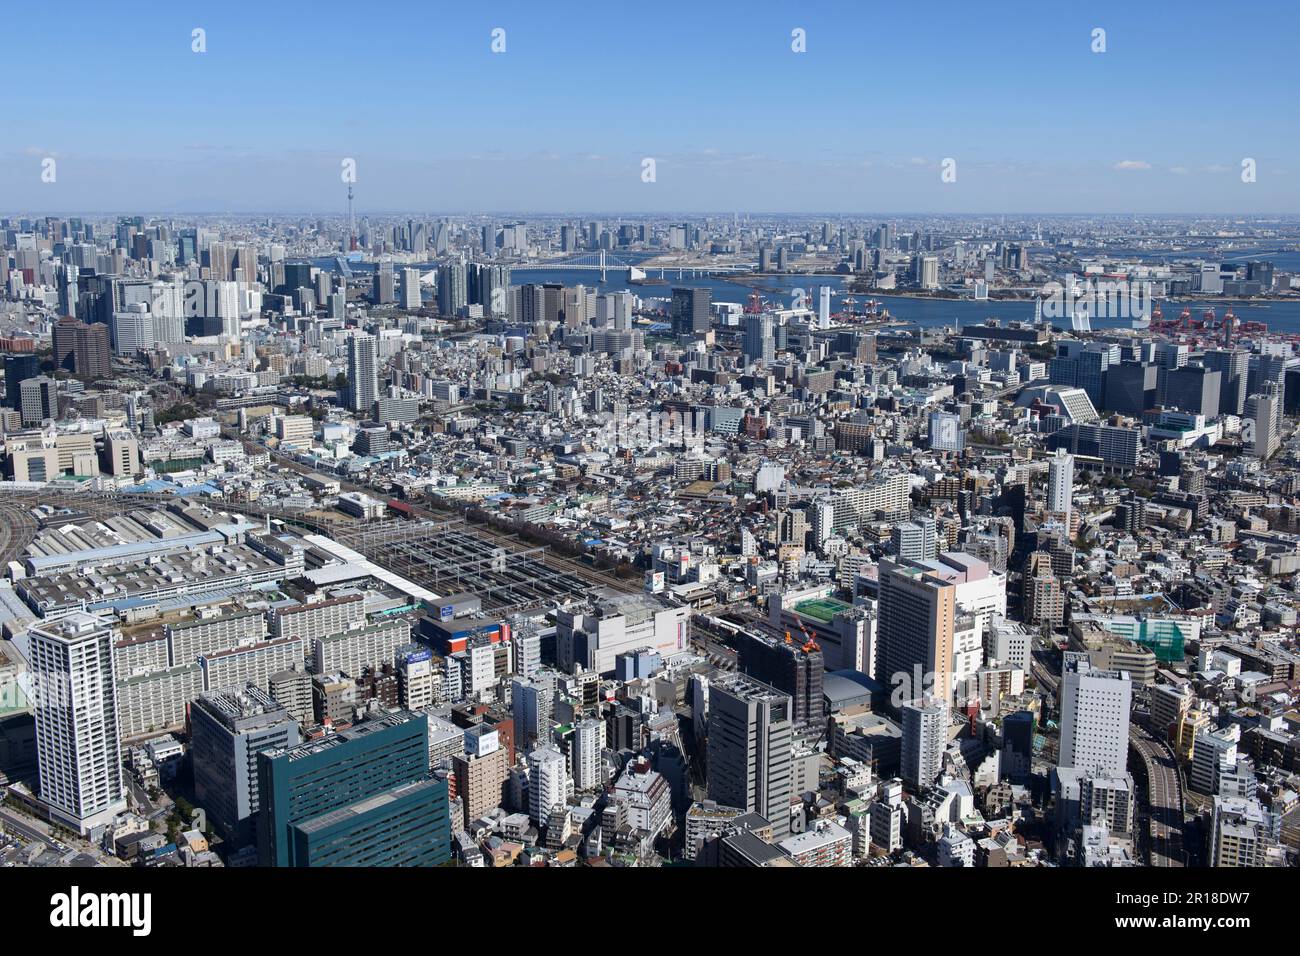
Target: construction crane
[[810, 644]]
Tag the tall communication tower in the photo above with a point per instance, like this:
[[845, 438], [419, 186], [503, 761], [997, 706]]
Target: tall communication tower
[[352, 223]]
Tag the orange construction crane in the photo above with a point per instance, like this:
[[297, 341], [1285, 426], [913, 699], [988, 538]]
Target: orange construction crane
[[810, 644]]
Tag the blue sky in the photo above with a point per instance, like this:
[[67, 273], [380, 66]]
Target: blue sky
[[734, 119]]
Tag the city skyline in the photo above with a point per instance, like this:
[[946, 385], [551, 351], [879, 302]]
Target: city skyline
[[864, 118], [684, 436]]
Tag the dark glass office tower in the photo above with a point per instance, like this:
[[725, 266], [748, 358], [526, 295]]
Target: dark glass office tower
[[360, 797]]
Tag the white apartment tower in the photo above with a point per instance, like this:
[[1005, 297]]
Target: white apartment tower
[[411, 300], [1060, 482], [925, 737], [548, 783], [78, 751], [533, 702], [588, 739], [1264, 422], [363, 371]]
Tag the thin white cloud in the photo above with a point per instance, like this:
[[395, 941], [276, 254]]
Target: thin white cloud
[[1132, 164]]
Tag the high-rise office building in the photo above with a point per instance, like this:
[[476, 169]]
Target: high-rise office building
[[363, 371], [689, 310], [914, 643], [792, 667], [296, 276], [1233, 367], [19, 368], [915, 540], [227, 730], [453, 292], [1094, 717], [121, 454], [384, 290], [1192, 388], [358, 797], [749, 749], [1263, 422], [66, 281], [759, 345], [82, 349], [1265, 368], [1131, 388], [38, 400], [1084, 365], [220, 256], [132, 331], [1115, 445], [78, 752], [927, 271], [411, 289]]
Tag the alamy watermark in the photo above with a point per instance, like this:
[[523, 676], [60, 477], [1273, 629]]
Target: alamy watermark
[[639, 431], [1099, 299], [924, 686]]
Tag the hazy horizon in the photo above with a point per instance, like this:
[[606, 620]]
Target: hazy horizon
[[566, 114]]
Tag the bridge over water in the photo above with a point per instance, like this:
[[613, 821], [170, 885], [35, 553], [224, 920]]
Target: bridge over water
[[604, 263]]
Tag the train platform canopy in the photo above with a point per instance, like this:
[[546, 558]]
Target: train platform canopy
[[355, 566]]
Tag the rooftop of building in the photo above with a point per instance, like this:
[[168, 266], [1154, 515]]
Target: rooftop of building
[[356, 732], [823, 609]]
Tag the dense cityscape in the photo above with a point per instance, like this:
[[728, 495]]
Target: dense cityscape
[[601, 568], [666, 440]]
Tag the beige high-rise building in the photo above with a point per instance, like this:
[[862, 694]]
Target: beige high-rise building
[[293, 691], [295, 429], [1044, 598], [77, 453], [479, 781], [914, 638], [1240, 833], [121, 454], [33, 460]]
